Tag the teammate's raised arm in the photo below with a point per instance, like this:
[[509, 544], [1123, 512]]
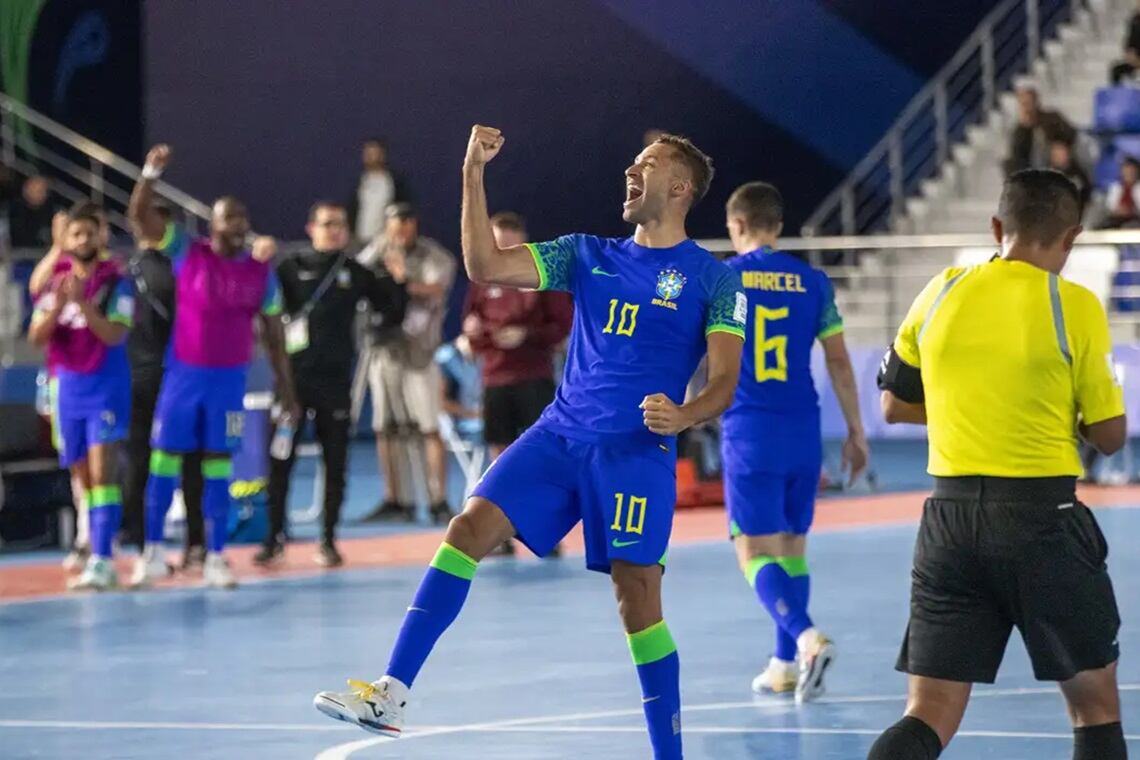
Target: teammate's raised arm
[[41, 275], [147, 222], [485, 261]]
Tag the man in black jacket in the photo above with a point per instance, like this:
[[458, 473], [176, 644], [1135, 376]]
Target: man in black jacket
[[321, 288]]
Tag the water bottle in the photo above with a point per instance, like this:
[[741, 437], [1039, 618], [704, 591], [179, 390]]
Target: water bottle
[[43, 393], [282, 446]]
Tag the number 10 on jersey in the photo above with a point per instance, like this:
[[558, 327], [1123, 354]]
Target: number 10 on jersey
[[766, 342], [626, 322]]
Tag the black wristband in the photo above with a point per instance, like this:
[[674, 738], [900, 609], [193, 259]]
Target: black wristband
[[901, 379]]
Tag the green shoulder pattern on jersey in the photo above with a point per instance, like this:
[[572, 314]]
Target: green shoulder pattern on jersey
[[554, 261], [830, 321], [728, 308]]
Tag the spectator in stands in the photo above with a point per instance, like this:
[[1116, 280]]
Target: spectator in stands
[[30, 218], [1037, 129], [515, 334], [402, 375], [379, 187], [320, 290], [1061, 159], [1122, 203], [1126, 68]]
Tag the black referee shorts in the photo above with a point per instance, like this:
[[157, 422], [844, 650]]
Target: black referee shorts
[[994, 553], [508, 410]]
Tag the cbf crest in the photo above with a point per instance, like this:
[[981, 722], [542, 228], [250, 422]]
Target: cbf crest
[[670, 283]]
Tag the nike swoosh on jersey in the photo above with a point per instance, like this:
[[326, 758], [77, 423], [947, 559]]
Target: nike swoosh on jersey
[[646, 700], [602, 272], [619, 544]]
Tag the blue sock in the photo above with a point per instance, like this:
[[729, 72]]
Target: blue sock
[[659, 669], [164, 471], [799, 582], [216, 474], [434, 607], [105, 511], [778, 594]]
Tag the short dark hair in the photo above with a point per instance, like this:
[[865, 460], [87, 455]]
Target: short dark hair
[[1039, 205], [700, 166], [509, 220], [1131, 161], [376, 141], [316, 207], [87, 209], [759, 204]]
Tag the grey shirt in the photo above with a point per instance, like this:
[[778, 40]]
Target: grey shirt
[[415, 341]]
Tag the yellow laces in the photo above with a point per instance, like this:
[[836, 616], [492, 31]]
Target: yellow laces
[[363, 690]]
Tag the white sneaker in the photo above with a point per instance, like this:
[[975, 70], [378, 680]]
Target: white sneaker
[[150, 567], [76, 560], [98, 575], [376, 707], [216, 572], [778, 678], [817, 652]]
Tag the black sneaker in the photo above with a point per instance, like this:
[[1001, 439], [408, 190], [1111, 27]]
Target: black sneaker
[[194, 558], [389, 511], [269, 554], [440, 513], [328, 556]]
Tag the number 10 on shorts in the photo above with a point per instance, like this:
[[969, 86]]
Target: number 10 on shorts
[[634, 513]]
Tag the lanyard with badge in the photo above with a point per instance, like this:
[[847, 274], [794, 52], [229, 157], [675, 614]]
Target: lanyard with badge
[[297, 325]]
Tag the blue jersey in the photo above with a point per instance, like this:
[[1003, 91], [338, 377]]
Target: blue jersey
[[790, 305], [641, 317]]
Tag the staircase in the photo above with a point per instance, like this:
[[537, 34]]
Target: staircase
[[938, 170]]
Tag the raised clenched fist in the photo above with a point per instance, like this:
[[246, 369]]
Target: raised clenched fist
[[484, 145]]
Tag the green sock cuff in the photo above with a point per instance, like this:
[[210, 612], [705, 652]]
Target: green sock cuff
[[450, 560], [653, 644], [755, 565], [217, 469], [165, 464], [795, 567], [104, 496]]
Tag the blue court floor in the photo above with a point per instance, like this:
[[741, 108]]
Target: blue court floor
[[536, 666]]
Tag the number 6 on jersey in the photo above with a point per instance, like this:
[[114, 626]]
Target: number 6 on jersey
[[764, 344]]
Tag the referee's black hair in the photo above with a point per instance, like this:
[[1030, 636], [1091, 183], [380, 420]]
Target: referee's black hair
[[1039, 205], [760, 205]]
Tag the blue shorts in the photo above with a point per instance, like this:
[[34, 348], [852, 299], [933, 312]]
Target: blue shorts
[[624, 495], [199, 409], [760, 502], [78, 423]]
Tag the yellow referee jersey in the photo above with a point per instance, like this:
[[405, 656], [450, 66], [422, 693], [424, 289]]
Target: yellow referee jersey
[[1011, 356]]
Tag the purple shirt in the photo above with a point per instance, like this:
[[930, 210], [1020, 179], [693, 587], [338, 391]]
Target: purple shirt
[[216, 300]]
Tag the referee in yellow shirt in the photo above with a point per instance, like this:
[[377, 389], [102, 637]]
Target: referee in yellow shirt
[[1005, 362]]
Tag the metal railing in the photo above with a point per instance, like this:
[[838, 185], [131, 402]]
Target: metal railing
[[78, 168], [963, 93]]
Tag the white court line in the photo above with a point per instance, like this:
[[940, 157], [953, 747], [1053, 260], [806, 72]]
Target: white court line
[[538, 724], [763, 730]]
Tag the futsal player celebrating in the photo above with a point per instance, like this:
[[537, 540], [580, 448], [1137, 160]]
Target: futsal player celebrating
[[220, 287], [771, 445], [83, 318], [1005, 362], [647, 308]]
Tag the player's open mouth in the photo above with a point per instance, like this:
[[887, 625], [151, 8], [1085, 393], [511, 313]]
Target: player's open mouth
[[632, 194]]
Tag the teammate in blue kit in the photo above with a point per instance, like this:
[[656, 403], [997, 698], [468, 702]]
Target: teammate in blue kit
[[772, 450], [647, 308]]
